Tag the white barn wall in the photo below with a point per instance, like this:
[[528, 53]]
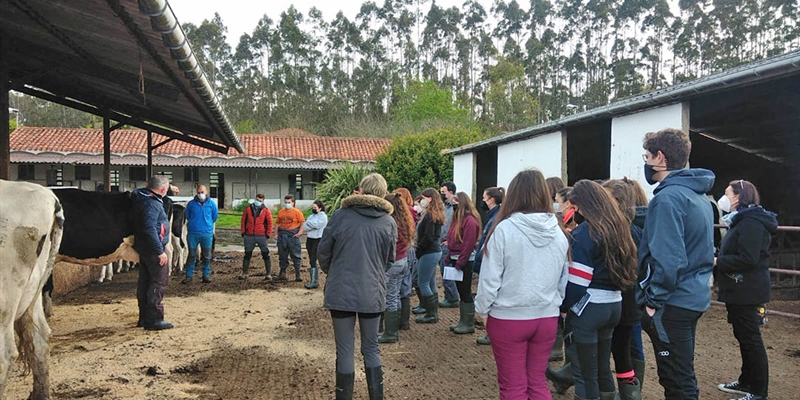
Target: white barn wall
[[627, 133], [543, 152], [464, 173]]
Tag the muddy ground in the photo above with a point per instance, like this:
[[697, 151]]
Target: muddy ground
[[255, 340]]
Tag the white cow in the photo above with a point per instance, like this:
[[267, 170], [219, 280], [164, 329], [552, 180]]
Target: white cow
[[31, 227]]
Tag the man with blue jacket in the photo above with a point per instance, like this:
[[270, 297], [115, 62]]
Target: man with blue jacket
[[676, 259], [201, 214], [151, 234]]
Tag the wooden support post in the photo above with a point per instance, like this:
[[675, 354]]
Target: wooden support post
[[106, 154], [5, 134], [149, 154]]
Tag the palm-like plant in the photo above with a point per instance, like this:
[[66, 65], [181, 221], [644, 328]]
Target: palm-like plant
[[339, 183]]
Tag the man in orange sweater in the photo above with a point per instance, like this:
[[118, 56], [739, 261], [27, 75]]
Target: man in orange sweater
[[289, 229]]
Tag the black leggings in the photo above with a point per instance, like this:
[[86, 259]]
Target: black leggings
[[311, 246], [621, 348], [465, 286]]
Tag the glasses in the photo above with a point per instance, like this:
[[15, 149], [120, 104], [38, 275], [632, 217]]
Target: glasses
[[644, 157]]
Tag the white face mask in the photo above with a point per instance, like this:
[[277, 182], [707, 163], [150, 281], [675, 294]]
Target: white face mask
[[724, 204], [201, 196], [288, 206], [424, 203], [555, 207], [418, 209]]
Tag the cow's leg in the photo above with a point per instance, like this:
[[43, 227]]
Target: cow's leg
[[110, 271], [8, 352], [34, 335], [102, 274]]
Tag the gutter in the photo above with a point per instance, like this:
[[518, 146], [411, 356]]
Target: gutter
[[163, 21], [775, 67]]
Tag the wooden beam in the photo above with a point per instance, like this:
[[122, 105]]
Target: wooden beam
[[106, 154], [149, 154], [5, 135]]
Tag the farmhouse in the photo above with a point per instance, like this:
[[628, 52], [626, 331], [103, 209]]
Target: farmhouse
[[286, 161]]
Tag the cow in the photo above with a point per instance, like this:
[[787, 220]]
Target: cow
[[178, 239], [31, 229]]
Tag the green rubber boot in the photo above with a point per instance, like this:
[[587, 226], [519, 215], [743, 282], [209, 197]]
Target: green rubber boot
[[344, 386], [467, 324], [557, 352], [314, 272], [483, 340], [431, 310], [391, 327], [405, 313]]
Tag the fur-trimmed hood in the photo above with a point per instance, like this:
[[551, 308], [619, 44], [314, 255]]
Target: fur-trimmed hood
[[368, 205]]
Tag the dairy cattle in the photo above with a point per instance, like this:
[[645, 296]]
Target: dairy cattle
[[179, 243], [31, 223]]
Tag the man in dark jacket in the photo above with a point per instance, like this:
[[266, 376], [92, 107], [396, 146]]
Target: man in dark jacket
[[151, 234], [676, 258]]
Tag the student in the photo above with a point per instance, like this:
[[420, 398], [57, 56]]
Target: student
[[410, 278], [676, 258], [314, 227], [429, 253], [399, 269], [742, 274], [448, 193], [256, 228], [462, 239], [492, 199], [288, 230]]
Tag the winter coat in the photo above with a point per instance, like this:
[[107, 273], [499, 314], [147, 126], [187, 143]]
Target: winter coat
[[524, 273], [448, 217], [356, 250], [201, 216], [676, 253], [588, 269], [315, 224], [150, 223], [742, 270], [428, 236], [469, 239], [257, 221], [490, 215]]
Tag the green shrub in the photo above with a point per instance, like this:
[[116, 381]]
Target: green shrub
[[338, 184], [416, 161]]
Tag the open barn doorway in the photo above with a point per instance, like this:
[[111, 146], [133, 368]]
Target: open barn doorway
[[589, 151]]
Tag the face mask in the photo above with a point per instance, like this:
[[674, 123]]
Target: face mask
[[727, 219], [201, 196], [724, 204], [484, 206], [444, 197], [288, 206], [555, 207], [579, 219], [418, 209], [455, 206], [648, 174], [313, 211], [257, 203], [424, 203]]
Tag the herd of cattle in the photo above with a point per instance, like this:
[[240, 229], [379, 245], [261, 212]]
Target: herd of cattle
[[39, 227]]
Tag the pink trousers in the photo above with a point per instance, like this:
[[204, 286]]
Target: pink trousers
[[521, 351]]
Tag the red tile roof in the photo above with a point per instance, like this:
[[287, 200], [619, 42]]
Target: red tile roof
[[284, 144]]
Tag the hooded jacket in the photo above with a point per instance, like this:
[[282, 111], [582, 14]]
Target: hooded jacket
[[356, 250], [490, 215], [315, 225], [428, 236], [150, 223], [742, 270], [257, 221], [676, 254], [201, 216], [524, 272], [470, 228]]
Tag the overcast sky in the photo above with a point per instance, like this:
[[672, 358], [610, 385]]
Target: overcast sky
[[241, 16]]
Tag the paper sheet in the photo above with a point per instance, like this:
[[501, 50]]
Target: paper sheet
[[452, 274]]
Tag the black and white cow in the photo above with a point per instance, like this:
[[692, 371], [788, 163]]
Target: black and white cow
[[31, 222]]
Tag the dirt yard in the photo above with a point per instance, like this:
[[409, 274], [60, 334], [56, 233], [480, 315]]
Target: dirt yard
[[255, 340]]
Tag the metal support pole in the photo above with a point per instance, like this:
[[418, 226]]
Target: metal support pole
[[5, 135], [106, 154], [149, 154]]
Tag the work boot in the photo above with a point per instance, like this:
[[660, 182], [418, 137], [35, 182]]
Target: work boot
[[375, 382], [267, 265], [628, 391], [245, 265], [391, 326], [405, 313], [467, 323], [431, 316], [158, 326], [314, 272], [483, 340], [281, 276], [557, 352], [206, 279], [608, 395], [187, 280], [419, 308], [344, 386], [638, 370], [448, 303], [297, 277]]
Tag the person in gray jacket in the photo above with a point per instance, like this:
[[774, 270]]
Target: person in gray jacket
[[314, 226], [356, 250]]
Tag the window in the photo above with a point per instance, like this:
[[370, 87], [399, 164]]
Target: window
[[168, 174], [191, 174], [83, 172], [55, 177], [213, 182], [298, 186], [114, 181], [137, 174], [25, 172]]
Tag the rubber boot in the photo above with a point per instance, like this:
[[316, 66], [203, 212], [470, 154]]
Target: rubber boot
[[375, 382], [562, 378], [448, 303], [245, 265], [467, 324], [344, 386], [405, 313], [557, 353], [267, 266], [420, 308], [381, 323], [314, 276], [628, 391], [297, 277], [431, 316], [391, 328], [608, 395], [483, 340], [638, 370], [576, 397], [281, 276]]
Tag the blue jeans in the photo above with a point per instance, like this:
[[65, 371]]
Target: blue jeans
[[394, 278], [450, 289], [411, 273], [204, 240], [427, 273]]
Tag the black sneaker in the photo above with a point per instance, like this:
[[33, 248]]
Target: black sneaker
[[187, 280], [751, 396], [206, 279], [734, 387]]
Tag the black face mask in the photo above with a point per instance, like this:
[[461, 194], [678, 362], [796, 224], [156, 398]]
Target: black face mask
[[648, 174], [578, 218], [313, 211], [455, 207], [444, 197], [484, 206]]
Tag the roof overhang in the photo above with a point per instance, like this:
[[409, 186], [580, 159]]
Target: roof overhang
[[127, 60]]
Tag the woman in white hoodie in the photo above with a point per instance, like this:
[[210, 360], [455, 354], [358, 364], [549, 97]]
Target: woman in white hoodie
[[314, 226], [522, 283]]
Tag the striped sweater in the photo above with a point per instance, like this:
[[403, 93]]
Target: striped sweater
[[588, 272]]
